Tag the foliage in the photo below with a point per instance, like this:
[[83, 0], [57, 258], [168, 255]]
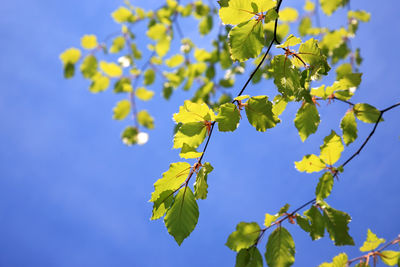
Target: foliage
[[299, 69]]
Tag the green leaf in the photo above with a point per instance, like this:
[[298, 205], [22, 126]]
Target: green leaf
[[163, 45], [372, 242], [337, 225], [366, 113], [192, 134], [182, 217], [304, 26], [349, 127], [99, 83], [162, 204], [129, 136], [324, 186], [245, 236], [271, 15], [149, 77], [291, 40], [206, 25], [269, 219], [332, 148], [390, 257], [330, 6], [71, 55], [246, 40], [171, 179], [317, 224], [228, 117], [238, 11], [194, 112], [111, 69], [307, 120], [122, 14], [143, 94], [145, 119], [118, 44], [249, 258], [89, 66], [361, 15], [288, 14], [175, 61], [122, 109], [286, 77], [280, 103], [69, 70], [188, 152], [89, 42], [311, 54], [123, 85], [259, 113], [310, 163], [280, 248], [338, 261], [303, 223], [201, 186], [157, 31]]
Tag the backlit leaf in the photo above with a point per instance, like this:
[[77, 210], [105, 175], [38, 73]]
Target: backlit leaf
[[182, 217], [307, 120], [324, 186], [249, 258], [317, 224], [129, 136], [89, 42], [332, 148], [246, 40], [122, 14], [162, 204], [244, 237], [171, 179], [280, 248], [201, 186], [89, 66], [188, 152], [366, 113], [149, 77], [238, 11], [117, 45], [143, 94], [288, 14], [145, 119], [259, 113], [175, 61], [310, 163], [228, 117], [71, 55], [338, 261], [390, 257], [372, 242], [111, 69], [192, 134], [194, 112], [337, 225], [349, 127], [99, 83], [330, 6], [122, 109]]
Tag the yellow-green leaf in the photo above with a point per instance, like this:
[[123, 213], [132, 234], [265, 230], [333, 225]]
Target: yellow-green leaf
[[71, 55], [122, 14], [194, 112], [288, 14], [237, 11], [372, 242], [111, 69], [390, 257], [245, 236], [99, 83], [366, 113], [310, 163], [332, 148], [145, 119], [118, 44], [122, 109], [89, 41], [143, 94]]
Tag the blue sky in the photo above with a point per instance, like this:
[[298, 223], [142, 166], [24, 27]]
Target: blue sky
[[71, 194]]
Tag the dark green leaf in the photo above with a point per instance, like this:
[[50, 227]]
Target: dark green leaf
[[324, 186], [249, 258], [244, 237]]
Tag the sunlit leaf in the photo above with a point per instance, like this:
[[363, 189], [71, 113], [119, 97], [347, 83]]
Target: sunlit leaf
[[349, 127], [259, 113], [228, 117], [372, 242], [332, 148], [201, 186], [244, 237], [111, 69], [338, 261], [324, 186], [143, 94], [280, 248], [182, 216], [122, 109], [366, 113], [307, 120], [89, 42], [249, 258], [310, 163], [246, 40], [145, 119]]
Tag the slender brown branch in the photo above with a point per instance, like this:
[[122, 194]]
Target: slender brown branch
[[370, 134], [374, 252]]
